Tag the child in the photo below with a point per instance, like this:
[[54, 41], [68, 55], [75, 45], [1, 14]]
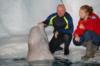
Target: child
[[88, 32]]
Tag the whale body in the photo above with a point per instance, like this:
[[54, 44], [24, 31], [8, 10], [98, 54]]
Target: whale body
[[38, 49]]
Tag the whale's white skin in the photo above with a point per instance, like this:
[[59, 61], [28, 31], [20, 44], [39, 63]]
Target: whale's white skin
[[38, 49]]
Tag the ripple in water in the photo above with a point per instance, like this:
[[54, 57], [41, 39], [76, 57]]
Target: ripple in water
[[56, 62]]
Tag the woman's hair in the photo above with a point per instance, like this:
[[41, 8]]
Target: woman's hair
[[87, 8]]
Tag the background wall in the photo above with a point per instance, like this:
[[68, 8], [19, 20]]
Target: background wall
[[18, 16]]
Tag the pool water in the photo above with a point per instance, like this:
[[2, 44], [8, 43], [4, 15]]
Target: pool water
[[56, 62], [13, 51]]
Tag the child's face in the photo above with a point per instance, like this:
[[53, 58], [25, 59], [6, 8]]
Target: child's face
[[83, 14]]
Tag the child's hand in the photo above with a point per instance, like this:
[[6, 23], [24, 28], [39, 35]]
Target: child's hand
[[77, 38]]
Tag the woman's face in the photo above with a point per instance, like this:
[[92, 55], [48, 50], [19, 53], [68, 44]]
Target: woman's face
[[83, 14]]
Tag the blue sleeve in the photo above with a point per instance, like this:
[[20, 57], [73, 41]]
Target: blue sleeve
[[48, 19], [70, 24]]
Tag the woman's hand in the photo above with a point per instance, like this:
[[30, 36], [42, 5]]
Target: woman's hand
[[77, 38]]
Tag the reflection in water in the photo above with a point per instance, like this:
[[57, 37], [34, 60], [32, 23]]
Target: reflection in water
[[41, 63], [57, 62], [61, 62], [13, 48]]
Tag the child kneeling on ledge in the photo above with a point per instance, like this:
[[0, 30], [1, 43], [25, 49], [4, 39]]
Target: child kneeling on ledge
[[87, 32]]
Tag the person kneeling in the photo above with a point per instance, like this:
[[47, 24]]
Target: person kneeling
[[63, 29], [87, 32]]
